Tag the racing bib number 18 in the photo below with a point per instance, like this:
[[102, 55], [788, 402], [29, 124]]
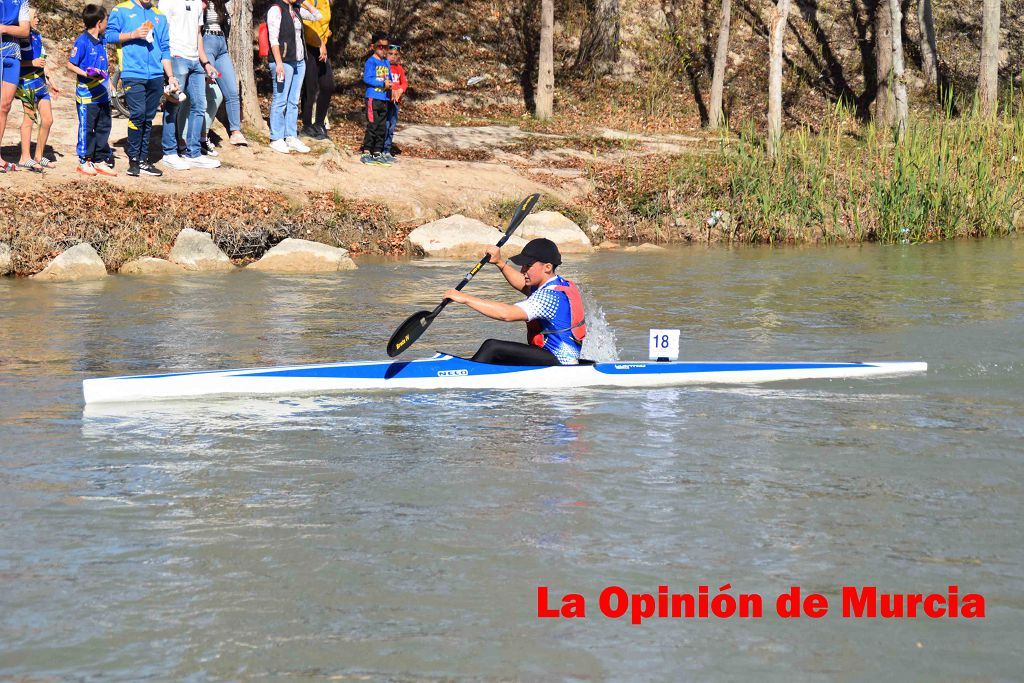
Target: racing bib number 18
[[664, 344]]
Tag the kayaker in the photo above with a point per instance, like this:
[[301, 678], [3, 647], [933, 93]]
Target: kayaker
[[553, 311]]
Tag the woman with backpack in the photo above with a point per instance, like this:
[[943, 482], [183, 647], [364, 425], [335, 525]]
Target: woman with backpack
[[287, 68]]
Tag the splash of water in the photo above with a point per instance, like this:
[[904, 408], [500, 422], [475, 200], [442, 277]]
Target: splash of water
[[600, 343]]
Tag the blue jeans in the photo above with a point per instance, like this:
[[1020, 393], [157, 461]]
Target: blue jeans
[[217, 52], [284, 107], [390, 123], [214, 98], [192, 79]]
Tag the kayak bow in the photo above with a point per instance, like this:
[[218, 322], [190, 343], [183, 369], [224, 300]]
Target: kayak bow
[[450, 372]]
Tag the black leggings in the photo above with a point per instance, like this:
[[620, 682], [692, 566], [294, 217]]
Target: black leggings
[[501, 352], [318, 86], [376, 115]]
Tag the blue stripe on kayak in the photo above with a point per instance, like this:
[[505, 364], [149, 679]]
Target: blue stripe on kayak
[[430, 367], [653, 368], [404, 369]]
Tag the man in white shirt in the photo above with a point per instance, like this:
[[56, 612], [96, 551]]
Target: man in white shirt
[[191, 69]]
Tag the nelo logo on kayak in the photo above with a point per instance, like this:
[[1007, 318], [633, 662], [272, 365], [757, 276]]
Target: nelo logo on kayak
[[452, 373], [630, 366]]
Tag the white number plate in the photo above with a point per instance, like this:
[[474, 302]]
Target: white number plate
[[664, 344]]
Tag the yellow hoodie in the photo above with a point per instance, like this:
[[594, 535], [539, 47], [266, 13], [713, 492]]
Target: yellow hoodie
[[318, 31]]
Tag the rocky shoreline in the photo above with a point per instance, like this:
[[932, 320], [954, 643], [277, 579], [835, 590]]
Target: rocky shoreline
[[192, 250]]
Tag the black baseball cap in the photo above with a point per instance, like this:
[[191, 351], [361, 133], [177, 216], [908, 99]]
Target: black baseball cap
[[541, 249]]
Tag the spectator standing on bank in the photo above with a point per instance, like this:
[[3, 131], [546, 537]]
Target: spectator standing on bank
[[88, 61], [319, 79], [216, 27], [14, 25], [399, 84], [214, 98], [377, 76], [34, 90], [142, 32], [287, 69], [191, 69]]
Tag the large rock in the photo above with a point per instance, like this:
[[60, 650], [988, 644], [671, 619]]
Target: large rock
[[151, 266], [6, 262], [557, 228], [194, 250], [304, 256], [80, 262], [645, 247], [459, 237]]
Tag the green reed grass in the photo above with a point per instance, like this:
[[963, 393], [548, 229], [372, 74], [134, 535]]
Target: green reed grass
[[950, 177]]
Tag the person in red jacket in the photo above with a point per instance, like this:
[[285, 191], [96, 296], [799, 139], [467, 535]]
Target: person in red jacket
[[398, 88]]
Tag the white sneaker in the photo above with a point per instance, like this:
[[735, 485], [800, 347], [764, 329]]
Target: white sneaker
[[296, 144], [279, 146], [202, 161], [176, 162]]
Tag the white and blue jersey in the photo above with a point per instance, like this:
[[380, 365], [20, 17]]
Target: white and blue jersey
[[552, 310]]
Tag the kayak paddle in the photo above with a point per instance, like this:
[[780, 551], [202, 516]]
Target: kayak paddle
[[417, 323]]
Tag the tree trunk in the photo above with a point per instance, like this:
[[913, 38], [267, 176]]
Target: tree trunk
[[715, 114], [884, 105], [546, 62], [899, 85], [776, 39], [240, 48], [599, 44], [988, 80], [929, 50]]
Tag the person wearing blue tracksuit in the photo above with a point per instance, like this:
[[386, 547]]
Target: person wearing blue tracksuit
[[88, 61], [142, 32]]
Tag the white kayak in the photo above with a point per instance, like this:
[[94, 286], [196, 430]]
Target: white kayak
[[450, 372]]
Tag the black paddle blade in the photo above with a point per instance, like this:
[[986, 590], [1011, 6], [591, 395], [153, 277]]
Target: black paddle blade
[[525, 207], [408, 332]]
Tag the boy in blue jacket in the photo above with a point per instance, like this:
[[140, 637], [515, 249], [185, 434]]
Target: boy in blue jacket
[[88, 61], [142, 32], [377, 76]]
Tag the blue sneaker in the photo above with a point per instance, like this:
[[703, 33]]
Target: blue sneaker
[[390, 157], [366, 159], [380, 159]]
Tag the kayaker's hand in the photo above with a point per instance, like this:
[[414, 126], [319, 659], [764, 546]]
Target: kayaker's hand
[[494, 253], [455, 295]]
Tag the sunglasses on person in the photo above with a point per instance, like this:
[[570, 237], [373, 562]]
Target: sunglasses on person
[[394, 47], [380, 46]]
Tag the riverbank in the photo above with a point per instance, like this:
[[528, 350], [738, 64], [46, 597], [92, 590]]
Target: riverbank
[[841, 182]]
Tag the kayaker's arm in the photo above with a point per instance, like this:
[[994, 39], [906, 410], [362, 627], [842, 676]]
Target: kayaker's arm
[[492, 309], [509, 270]]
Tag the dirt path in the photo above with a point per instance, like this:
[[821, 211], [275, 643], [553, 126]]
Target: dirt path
[[416, 189]]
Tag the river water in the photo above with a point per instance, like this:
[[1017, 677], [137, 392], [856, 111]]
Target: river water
[[403, 536]]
